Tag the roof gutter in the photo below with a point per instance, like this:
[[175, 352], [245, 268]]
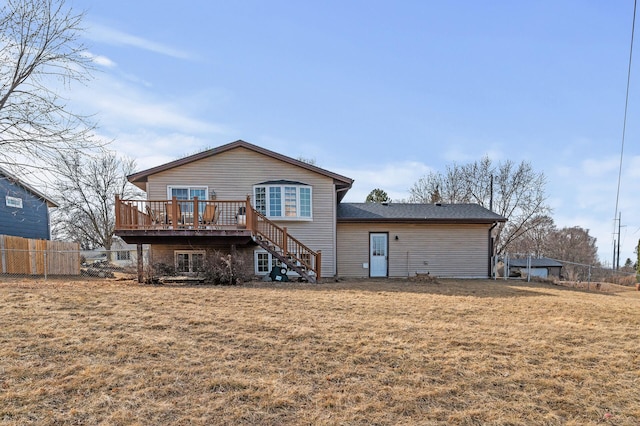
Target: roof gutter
[[418, 220]]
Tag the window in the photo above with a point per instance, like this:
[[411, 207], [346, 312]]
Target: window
[[305, 202], [123, 255], [14, 202], [283, 200], [275, 201], [264, 262], [290, 201], [260, 199], [188, 193], [189, 261]]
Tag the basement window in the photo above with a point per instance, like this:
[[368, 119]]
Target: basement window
[[189, 261], [264, 262]]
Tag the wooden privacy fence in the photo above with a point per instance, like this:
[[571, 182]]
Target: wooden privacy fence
[[23, 256]]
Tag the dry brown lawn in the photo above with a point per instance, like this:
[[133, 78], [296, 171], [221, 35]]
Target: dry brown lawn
[[351, 353]]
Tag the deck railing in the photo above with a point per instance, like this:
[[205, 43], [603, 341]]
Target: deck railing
[[180, 214]]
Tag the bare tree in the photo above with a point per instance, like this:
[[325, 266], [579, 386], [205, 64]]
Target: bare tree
[[311, 161], [573, 245], [513, 191], [536, 241], [378, 196], [86, 208], [40, 54]]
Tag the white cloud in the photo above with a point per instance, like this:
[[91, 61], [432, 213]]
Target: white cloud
[[100, 60], [104, 61], [599, 167], [150, 148], [122, 106], [112, 36], [632, 167]]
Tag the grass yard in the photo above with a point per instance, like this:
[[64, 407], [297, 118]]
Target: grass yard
[[352, 353]]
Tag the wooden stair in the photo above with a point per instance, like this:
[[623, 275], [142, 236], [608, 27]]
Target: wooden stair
[[287, 249]]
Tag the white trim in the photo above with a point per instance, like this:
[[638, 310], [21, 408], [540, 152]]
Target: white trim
[[255, 261], [270, 261], [378, 255], [283, 217], [13, 202], [189, 187], [190, 253]]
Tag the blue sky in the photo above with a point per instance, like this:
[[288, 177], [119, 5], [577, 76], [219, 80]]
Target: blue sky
[[381, 91]]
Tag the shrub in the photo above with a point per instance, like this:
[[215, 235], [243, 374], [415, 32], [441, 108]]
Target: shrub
[[626, 280], [225, 268], [163, 269]]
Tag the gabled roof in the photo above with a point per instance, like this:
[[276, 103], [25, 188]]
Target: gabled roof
[[342, 183], [14, 179], [541, 262], [407, 212]]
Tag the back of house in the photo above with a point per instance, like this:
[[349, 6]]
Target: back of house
[[243, 198], [291, 194]]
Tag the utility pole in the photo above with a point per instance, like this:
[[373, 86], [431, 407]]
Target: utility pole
[[616, 242], [619, 226]]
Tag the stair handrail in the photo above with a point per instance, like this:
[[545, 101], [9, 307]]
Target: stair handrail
[[279, 237]]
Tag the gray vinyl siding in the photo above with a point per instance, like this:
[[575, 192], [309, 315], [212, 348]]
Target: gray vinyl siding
[[440, 250], [232, 174]]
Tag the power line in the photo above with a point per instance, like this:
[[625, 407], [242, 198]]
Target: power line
[[624, 122]]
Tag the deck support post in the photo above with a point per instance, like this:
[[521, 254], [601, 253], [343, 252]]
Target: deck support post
[[248, 211], [318, 265], [174, 212], [140, 264], [285, 245], [118, 211], [196, 213]]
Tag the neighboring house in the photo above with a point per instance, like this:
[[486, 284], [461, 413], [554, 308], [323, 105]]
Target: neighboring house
[[540, 267], [243, 197], [121, 254], [24, 211]]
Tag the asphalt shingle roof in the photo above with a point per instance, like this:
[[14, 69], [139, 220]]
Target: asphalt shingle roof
[[401, 212]]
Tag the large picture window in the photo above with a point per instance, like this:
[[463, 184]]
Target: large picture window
[[283, 200]]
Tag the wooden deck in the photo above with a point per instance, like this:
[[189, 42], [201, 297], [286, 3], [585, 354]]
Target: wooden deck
[[173, 215], [212, 223]]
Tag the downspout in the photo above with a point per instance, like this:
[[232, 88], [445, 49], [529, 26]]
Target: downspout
[[335, 228]]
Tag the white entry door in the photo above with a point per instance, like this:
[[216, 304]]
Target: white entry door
[[378, 255]]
